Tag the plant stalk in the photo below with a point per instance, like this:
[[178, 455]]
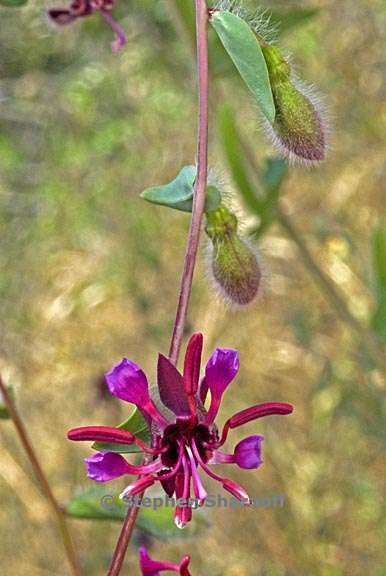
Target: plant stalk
[[192, 243], [43, 481], [123, 540], [201, 179]]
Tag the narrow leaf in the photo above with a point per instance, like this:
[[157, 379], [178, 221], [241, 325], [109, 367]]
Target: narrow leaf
[[244, 49], [136, 424], [236, 159]]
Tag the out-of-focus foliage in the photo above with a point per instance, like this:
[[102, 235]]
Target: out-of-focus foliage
[[88, 274], [155, 520]]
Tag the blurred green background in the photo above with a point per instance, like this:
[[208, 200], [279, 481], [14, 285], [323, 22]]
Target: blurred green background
[[89, 272]]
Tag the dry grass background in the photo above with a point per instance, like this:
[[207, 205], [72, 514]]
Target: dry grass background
[[90, 273]]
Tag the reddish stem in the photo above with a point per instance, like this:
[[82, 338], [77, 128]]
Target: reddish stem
[[43, 481], [200, 184], [192, 244], [124, 539]]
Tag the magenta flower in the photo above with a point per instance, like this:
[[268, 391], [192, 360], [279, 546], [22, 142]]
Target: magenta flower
[[151, 567], [188, 439], [82, 8]]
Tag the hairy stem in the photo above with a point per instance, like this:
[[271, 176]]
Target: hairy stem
[[192, 244], [41, 477], [200, 184]]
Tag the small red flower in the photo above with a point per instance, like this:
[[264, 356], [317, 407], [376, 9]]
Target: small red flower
[[188, 439]]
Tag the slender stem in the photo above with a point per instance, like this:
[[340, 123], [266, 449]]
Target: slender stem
[[123, 540], [40, 475], [192, 244], [200, 184]]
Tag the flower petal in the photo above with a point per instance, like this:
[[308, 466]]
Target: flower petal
[[236, 490], [128, 382], [137, 487], [171, 387], [151, 567], [203, 390], [192, 364], [248, 452], [101, 434], [259, 411], [104, 466], [220, 370]]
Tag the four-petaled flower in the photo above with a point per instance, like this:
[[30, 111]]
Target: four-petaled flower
[[151, 567], [82, 8], [184, 440]]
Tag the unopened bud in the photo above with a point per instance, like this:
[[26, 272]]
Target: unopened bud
[[298, 128], [234, 264]]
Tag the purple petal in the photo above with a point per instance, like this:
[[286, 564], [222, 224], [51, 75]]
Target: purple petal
[[248, 452], [171, 387], [151, 567], [220, 370], [104, 466], [128, 382]]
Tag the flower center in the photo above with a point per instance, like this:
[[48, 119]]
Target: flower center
[[182, 432]]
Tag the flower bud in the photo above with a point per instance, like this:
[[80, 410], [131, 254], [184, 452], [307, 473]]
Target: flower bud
[[234, 264], [298, 128]]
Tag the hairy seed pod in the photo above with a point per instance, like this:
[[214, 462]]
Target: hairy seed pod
[[299, 126], [234, 265]]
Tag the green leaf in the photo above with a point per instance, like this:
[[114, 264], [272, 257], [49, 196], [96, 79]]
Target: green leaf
[[286, 20], [235, 157], [13, 3], [244, 49], [260, 193], [100, 503], [136, 424], [275, 171], [4, 414], [96, 503], [178, 194], [379, 264]]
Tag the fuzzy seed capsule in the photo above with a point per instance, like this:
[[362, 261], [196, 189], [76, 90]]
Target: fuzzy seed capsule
[[234, 265], [298, 128]]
